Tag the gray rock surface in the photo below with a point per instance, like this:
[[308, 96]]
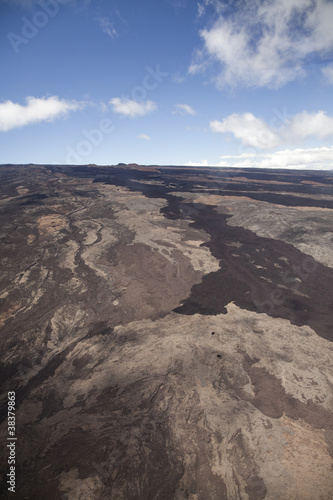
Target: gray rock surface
[[160, 339]]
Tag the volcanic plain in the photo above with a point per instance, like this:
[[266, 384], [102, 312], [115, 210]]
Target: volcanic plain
[[167, 332]]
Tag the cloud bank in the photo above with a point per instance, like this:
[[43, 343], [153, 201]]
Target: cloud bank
[[256, 133], [308, 159]]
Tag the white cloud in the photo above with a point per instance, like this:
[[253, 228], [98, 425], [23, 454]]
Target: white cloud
[[304, 125], [241, 156], [107, 26], [216, 4], [312, 159], [256, 133], [305, 159], [265, 43], [328, 73], [250, 130], [14, 115], [129, 107], [184, 109], [202, 163], [144, 136]]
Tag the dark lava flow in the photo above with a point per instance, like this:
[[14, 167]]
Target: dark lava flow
[[257, 277], [263, 275]]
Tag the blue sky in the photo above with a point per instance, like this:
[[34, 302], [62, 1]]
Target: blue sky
[[207, 82]]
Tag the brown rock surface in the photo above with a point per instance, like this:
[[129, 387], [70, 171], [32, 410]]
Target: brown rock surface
[[167, 333]]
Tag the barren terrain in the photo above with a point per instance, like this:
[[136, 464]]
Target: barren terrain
[[167, 332]]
